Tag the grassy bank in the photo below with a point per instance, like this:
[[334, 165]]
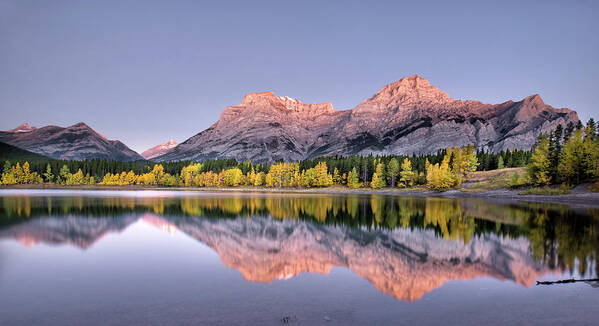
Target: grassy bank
[[482, 181]]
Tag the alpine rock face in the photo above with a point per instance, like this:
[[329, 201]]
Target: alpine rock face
[[158, 149], [77, 142], [406, 117], [25, 127]]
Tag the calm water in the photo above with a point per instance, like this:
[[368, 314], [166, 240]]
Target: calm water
[[189, 258]]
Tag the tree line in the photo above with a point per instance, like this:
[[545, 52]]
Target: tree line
[[439, 172], [568, 156]]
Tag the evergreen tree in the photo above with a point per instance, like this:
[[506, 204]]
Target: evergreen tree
[[591, 129], [393, 170], [569, 131], [65, 174], [48, 174], [500, 163], [555, 149], [571, 164], [407, 174], [538, 169], [336, 177], [19, 175], [352, 179], [378, 180], [590, 149]]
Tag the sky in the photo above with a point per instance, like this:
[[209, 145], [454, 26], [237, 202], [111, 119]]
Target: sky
[[145, 72]]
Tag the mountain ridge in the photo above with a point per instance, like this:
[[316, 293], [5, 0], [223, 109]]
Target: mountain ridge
[[159, 149], [75, 142], [409, 116]]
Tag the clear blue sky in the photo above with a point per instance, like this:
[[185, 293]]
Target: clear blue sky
[[147, 71]]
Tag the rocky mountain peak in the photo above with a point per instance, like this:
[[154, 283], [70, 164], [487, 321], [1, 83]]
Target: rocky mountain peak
[[268, 100], [159, 149], [413, 81], [534, 99], [259, 97], [82, 126], [409, 116], [24, 127], [412, 88]]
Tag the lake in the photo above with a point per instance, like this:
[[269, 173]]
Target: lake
[[197, 258]]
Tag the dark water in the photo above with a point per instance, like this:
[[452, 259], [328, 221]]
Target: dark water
[[188, 258]]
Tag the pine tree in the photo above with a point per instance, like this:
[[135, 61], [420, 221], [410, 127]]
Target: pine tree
[[590, 148], [378, 180], [26, 173], [500, 163], [65, 174], [323, 178], [569, 131], [407, 175], [48, 174], [471, 159], [352, 179], [7, 167], [591, 129], [538, 169], [571, 165], [8, 176], [18, 172], [336, 176], [392, 171], [555, 149]]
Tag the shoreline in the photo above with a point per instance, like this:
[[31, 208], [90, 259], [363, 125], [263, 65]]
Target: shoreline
[[579, 195]]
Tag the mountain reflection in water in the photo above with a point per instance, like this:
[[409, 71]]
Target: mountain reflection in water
[[405, 247]]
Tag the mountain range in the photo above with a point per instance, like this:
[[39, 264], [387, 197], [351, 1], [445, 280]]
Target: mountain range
[[409, 116], [77, 142], [406, 117]]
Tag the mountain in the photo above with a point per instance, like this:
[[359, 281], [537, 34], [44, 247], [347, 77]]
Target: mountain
[[25, 127], [10, 152], [77, 142], [406, 117], [158, 149]]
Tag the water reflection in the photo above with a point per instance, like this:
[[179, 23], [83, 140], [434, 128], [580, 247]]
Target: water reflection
[[403, 246]]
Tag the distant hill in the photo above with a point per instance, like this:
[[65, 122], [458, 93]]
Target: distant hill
[[76, 142], [13, 153], [158, 149]]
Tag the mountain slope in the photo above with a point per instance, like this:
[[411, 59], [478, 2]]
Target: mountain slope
[[77, 142], [25, 127], [10, 152], [159, 149], [263, 127], [406, 117]]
